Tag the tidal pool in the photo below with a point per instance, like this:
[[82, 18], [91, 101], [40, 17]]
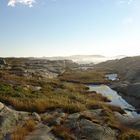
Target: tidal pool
[[114, 97]]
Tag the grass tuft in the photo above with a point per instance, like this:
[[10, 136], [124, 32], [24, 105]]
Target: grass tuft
[[63, 133], [22, 131]]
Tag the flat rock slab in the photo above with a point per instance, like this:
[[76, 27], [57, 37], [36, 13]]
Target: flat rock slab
[[84, 129], [96, 132]]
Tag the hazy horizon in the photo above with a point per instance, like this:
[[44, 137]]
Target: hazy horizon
[[37, 28], [53, 56]]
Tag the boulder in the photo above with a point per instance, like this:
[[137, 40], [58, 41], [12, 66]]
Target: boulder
[[57, 121], [2, 61], [74, 116], [9, 119], [36, 116], [83, 127], [7, 122], [95, 132], [86, 129], [1, 106]]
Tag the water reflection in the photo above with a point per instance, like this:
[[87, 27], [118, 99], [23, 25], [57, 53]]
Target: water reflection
[[115, 98], [112, 77]]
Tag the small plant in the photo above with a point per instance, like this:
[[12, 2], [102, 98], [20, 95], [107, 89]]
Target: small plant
[[130, 135], [63, 132], [21, 131], [47, 118]]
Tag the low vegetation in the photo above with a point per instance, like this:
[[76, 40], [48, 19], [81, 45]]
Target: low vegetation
[[19, 92], [63, 133], [22, 131], [130, 134], [48, 99], [85, 77]]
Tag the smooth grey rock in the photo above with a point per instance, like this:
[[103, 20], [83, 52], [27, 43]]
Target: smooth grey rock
[[9, 119], [74, 116], [57, 121], [7, 122], [36, 88], [36, 116], [96, 132], [83, 128], [2, 61], [1, 106], [62, 115]]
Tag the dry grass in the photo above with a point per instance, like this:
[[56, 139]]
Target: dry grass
[[130, 135], [125, 133], [22, 131], [70, 97], [47, 118], [85, 77], [97, 96], [116, 109], [54, 94]]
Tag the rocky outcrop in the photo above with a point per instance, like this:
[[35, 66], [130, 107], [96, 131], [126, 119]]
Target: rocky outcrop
[[42, 67], [130, 92], [87, 125], [9, 118], [131, 122], [128, 70], [80, 126], [2, 63], [1, 106], [90, 130], [85, 128]]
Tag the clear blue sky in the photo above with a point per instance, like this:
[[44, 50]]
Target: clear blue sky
[[69, 27]]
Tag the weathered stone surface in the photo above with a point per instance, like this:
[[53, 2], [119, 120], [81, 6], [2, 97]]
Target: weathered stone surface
[[36, 116], [57, 121], [36, 88], [62, 115], [91, 131], [2, 61], [1, 106], [74, 116], [9, 119], [95, 132], [86, 129], [130, 92], [131, 122], [134, 123]]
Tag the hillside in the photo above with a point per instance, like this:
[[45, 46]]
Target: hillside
[[128, 70]]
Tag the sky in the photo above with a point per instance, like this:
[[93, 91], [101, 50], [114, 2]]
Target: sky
[[69, 27]]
